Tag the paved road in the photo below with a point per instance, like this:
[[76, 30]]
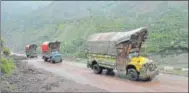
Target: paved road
[[80, 74]]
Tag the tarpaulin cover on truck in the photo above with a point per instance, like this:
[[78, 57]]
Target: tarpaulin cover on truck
[[54, 46], [27, 47], [31, 47], [105, 43], [45, 47], [50, 46]]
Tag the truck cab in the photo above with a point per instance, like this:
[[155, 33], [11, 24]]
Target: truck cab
[[56, 56]]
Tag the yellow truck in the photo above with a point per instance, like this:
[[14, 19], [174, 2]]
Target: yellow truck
[[120, 51]]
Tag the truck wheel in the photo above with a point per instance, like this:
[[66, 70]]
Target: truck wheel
[[60, 60], [97, 69], [53, 62], [110, 72], [132, 74], [45, 59]]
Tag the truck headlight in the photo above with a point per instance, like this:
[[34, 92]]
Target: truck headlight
[[145, 66]]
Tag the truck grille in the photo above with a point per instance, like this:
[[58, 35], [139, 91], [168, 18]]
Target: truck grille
[[151, 66]]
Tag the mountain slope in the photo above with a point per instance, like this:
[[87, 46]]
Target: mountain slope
[[72, 22]]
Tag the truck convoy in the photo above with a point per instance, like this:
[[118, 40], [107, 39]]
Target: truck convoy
[[31, 51], [120, 51], [50, 52]]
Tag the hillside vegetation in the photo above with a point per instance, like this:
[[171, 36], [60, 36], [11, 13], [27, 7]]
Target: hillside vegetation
[[7, 66], [73, 22]]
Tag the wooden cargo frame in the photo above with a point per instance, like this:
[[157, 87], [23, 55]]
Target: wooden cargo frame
[[110, 43]]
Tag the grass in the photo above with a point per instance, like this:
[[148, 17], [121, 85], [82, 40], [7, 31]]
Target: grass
[[7, 66]]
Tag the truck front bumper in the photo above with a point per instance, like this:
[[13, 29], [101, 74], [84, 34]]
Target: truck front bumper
[[148, 74], [56, 59]]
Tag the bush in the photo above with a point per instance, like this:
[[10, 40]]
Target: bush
[[7, 65], [6, 51], [80, 54]]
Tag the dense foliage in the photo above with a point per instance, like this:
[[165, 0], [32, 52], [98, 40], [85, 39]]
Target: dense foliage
[[7, 66], [166, 21], [6, 51]]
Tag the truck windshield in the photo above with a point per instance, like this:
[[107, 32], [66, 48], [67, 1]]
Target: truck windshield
[[133, 54]]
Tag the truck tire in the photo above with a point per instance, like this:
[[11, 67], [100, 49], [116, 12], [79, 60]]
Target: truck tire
[[45, 59], [60, 60], [132, 74], [97, 69], [110, 72], [53, 61]]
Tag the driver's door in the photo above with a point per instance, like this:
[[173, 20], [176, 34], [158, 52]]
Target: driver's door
[[121, 59]]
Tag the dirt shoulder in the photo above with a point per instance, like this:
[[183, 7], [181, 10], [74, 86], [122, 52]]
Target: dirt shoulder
[[27, 78]]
